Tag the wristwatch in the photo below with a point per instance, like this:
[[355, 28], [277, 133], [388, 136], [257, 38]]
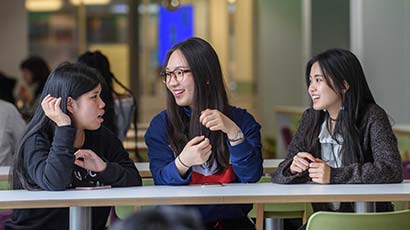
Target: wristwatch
[[239, 136]]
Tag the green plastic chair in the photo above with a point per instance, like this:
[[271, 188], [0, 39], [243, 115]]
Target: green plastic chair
[[397, 220], [401, 205], [4, 185], [5, 214], [123, 212]]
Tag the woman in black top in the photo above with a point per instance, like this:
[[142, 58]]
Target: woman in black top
[[65, 147]]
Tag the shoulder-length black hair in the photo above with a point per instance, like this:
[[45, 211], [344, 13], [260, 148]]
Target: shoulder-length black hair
[[209, 92], [39, 70], [344, 74], [67, 80]]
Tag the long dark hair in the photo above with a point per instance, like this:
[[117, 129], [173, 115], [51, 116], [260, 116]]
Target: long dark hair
[[39, 71], [340, 67], [67, 80], [209, 92], [100, 62]]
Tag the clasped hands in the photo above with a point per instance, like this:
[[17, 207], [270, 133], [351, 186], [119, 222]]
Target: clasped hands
[[318, 169]]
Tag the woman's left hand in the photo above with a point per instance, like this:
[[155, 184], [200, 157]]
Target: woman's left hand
[[215, 120], [319, 171], [87, 159]]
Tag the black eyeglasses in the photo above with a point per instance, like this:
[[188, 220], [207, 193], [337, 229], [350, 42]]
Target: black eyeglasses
[[178, 75]]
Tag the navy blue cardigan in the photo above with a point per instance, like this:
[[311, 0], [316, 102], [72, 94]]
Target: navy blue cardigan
[[246, 161]]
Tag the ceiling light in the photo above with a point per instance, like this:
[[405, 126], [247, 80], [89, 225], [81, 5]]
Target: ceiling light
[[90, 2], [43, 5]]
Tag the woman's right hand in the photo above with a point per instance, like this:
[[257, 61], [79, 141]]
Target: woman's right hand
[[196, 151], [301, 162], [51, 108]]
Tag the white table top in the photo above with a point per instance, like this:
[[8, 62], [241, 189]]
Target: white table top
[[269, 165], [140, 133], [403, 129], [130, 144], [143, 168], [227, 194]]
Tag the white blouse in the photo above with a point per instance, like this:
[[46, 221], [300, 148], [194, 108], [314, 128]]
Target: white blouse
[[330, 152], [330, 148]]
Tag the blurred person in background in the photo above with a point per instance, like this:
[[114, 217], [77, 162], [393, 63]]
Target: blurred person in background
[[119, 107], [162, 218], [35, 71], [12, 127]]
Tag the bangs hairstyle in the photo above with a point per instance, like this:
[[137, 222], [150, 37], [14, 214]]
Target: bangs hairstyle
[[209, 93], [343, 73], [67, 80]]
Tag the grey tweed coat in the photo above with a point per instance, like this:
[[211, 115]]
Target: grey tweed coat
[[382, 158]]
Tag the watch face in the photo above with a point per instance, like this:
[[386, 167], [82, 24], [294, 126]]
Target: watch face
[[238, 137]]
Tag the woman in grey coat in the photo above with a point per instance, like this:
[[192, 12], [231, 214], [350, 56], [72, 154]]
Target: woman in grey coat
[[345, 137]]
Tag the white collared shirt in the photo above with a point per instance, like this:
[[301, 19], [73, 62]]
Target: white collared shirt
[[330, 152], [330, 148]]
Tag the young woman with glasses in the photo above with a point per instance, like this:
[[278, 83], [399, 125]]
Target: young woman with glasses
[[345, 138], [200, 138]]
